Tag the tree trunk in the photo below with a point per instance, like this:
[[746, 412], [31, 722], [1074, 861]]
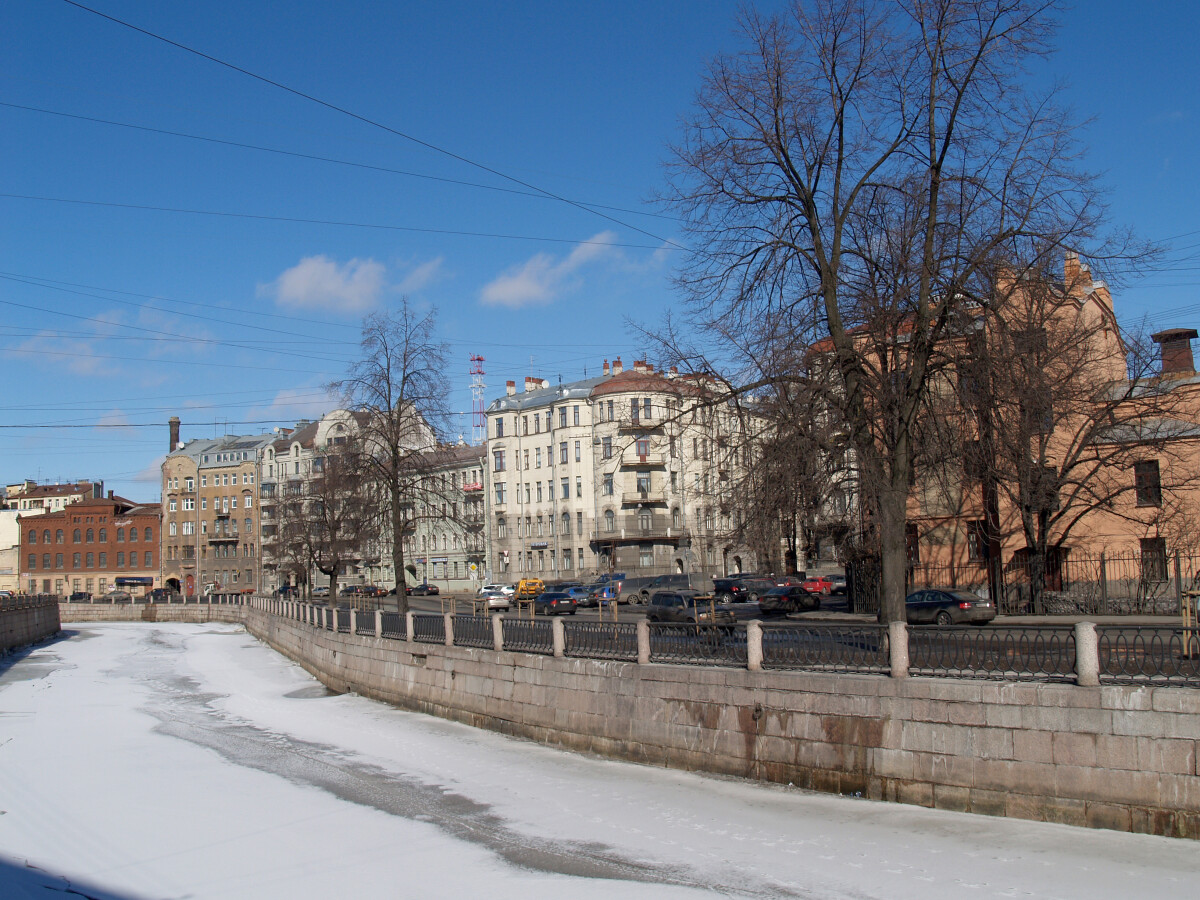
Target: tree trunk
[[398, 549], [893, 504]]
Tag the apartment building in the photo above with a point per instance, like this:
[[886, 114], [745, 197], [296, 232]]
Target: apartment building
[[629, 471], [211, 525], [93, 545], [447, 544], [28, 498]]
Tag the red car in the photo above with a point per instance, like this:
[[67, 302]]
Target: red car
[[818, 584]]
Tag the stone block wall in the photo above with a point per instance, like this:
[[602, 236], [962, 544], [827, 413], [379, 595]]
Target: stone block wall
[[1117, 757], [25, 624]]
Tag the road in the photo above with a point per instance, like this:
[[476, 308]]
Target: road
[[167, 760]]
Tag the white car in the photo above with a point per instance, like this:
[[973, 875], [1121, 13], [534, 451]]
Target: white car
[[496, 599], [506, 589]]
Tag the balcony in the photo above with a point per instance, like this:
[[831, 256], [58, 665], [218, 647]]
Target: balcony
[[630, 460], [651, 495], [472, 487], [640, 423], [634, 529]]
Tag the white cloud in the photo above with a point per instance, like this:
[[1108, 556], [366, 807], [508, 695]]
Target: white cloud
[[543, 278], [317, 282], [420, 277], [291, 404]]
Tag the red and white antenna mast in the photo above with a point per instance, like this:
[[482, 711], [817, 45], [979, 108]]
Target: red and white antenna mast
[[478, 417]]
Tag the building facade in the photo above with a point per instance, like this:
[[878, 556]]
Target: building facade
[[447, 545], [93, 545]]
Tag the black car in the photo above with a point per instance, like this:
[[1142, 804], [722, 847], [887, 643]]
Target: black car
[[80, 597], [554, 603], [160, 595], [947, 606], [787, 599], [741, 589], [425, 590], [686, 606]]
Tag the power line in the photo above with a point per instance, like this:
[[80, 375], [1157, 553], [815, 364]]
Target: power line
[[330, 222], [325, 159], [369, 121]]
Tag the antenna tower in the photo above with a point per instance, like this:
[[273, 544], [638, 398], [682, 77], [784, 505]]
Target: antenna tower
[[478, 418]]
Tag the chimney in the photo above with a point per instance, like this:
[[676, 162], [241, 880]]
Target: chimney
[[510, 387], [1176, 350], [639, 365], [617, 368], [110, 495], [173, 424], [606, 368]]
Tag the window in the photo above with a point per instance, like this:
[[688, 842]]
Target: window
[[642, 447], [203, 481], [675, 519], [171, 505], [104, 535], [635, 410], [1154, 559], [32, 538], [525, 454], [498, 458], [46, 536], [646, 408], [608, 485], [45, 560], [977, 544], [120, 560], [91, 560], [550, 489], [643, 482], [562, 451], [189, 503], [539, 492], [171, 529], [528, 498], [149, 535], [610, 521], [33, 561], [645, 520], [606, 448], [150, 559], [58, 560], [75, 536], [610, 410], [645, 556], [58, 536], [189, 527], [1147, 483], [190, 484], [537, 422], [501, 528], [133, 559], [120, 535], [133, 532], [562, 417], [537, 458], [566, 523], [76, 560], [500, 426], [575, 414], [90, 536], [500, 493], [249, 501], [565, 484]]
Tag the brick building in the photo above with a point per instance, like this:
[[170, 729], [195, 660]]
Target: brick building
[[92, 545]]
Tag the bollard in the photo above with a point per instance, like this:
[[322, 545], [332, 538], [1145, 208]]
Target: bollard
[[1087, 655], [497, 632], [379, 623], [898, 649], [558, 634], [353, 620], [410, 627], [449, 628], [643, 642], [754, 651]]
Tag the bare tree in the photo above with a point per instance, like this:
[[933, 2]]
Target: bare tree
[[400, 383], [341, 509], [852, 176]]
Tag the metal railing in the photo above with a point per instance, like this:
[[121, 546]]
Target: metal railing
[[528, 635], [473, 631], [827, 648], [601, 640], [722, 645], [394, 626], [1034, 653], [343, 621], [429, 628], [1149, 654], [364, 623]]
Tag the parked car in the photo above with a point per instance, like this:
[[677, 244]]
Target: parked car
[[677, 582], [837, 585], [529, 587], [497, 600], [581, 593], [425, 590], [507, 589], [947, 607], [743, 589], [118, 597], [602, 593], [321, 591], [796, 578], [80, 597], [787, 599], [160, 595], [687, 606], [554, 603], [818, 584]]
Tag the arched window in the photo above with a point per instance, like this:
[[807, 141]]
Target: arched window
[[148, 535], [104, 535], [91, 536], [424, 542], [610, 521], [675, 517], [566, 523], [501, 528], [133, 535], [32, 535], [46, 536], [58, 536], [76, 536], [120, 535]]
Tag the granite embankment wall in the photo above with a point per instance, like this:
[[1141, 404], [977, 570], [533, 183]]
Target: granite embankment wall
[[151, 612], [25, 622], [1122, 757]]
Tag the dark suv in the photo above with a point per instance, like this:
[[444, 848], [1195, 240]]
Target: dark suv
[[686, 606], [742, 588]]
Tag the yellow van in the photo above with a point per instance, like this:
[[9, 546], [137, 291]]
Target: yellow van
[[530, 587]]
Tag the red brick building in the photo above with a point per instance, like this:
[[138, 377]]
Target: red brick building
[[94, 545]]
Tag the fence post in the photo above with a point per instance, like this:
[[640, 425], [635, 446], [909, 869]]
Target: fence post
[[497, 632], [410, 627], [1103, 585], [558, 637], [353, 620], [754, 651], [643, 641], [449, 628], [898, 649], [1178, 586], [379, 623], [1087, 654]]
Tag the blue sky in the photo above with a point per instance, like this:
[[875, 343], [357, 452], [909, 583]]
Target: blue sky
[[112, 315]]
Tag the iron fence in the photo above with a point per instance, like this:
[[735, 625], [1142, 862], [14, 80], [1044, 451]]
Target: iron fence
[[364, 623], [343, 621], [528, 635], [429, 628], [601, 640], [827, 648], [1149, 653], [723, 645], [473, 631], [394, 626], [1033, 653]]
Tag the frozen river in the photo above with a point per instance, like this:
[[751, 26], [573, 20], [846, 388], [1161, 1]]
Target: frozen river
[[186, 761]]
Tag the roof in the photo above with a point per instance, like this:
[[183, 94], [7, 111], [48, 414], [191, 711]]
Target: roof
[[633, 380], [574, 390], [196, 449], [55, 490]]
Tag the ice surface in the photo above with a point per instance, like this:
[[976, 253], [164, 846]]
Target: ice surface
[[163, 760]]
